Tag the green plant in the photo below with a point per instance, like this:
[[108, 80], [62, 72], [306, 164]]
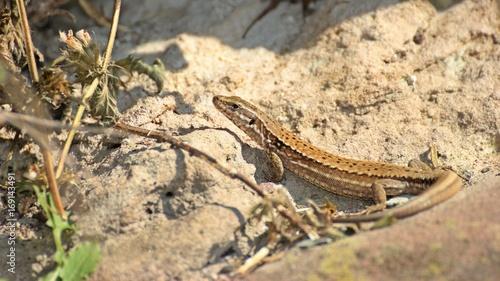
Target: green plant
[[81, 260]]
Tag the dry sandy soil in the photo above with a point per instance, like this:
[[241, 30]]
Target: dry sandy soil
[[375, 80]]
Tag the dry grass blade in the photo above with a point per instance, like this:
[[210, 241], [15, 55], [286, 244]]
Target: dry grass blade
[[27, 40], [72, 132], [283, 226], [193, 151], [47, 156]]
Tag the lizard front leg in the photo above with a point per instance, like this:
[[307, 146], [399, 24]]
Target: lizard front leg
[[276, 167]]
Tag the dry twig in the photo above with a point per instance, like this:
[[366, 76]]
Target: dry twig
[[47, 156]]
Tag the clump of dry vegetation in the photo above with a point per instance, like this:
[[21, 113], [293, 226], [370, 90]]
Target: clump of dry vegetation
[[32, 108]]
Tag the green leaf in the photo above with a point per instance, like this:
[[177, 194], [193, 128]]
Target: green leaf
[[156, 71], [59, 257], [54, 220], [81, 261], [51, 276]]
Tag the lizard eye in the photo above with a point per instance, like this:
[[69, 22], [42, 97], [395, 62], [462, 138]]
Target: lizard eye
[[251, 122], [235, 106]]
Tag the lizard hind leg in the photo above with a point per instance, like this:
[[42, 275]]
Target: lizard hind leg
[[383, 188], [378, 196]]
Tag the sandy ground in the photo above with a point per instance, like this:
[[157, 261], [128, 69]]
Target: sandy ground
[[375, 80]]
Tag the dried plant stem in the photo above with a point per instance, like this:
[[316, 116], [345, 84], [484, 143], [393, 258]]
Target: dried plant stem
[[434, 156], [93, 13], [28, 42], [253, 261], [298, 221], [76, 122], [231, 172], [112, 34], [47, 157], [259, 257], [292, 216], [193, 151]]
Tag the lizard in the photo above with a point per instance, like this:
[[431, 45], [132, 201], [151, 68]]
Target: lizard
[[360, 179]]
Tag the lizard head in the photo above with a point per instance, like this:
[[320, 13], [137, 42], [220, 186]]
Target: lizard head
[[239, 111], [242, 113]]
